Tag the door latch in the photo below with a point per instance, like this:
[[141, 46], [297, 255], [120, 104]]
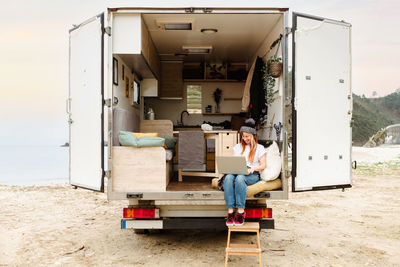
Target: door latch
[[107, 30], [107, 102], [288, 31]]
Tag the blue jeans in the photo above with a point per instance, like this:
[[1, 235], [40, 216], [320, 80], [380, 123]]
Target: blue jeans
[[235, 188]]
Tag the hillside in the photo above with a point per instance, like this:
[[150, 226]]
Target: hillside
[[372, 114]]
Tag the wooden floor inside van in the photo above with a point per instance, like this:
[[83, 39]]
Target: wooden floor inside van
[[191, 184]]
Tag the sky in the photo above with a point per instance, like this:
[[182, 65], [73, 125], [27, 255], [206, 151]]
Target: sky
[[34, 54]]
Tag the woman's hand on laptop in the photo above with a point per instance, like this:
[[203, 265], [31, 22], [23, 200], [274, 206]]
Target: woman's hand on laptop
[[251, 170]]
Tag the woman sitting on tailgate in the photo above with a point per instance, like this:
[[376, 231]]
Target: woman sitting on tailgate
[[235, 186]]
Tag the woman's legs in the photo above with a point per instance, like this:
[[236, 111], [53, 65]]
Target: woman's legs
[[241, 183], [229, 192]]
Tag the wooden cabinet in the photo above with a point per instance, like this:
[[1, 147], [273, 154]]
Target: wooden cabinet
[[149, 51], [171, 83], [228, 140], [149, 87]]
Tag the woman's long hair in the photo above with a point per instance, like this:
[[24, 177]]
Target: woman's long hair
[[253, 147]]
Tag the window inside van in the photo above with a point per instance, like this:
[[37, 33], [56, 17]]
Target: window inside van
[[193, 99], [136, 92]]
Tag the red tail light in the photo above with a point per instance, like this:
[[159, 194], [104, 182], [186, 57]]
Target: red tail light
[[139, 213], [258, 213]]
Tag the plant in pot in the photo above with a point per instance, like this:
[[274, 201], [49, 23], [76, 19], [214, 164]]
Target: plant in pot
[[275, 66], [270, 72], [269, 83], [217, 98]]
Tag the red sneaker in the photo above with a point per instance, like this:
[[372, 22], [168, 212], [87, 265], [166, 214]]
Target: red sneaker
[[239, 218], [230, 219]]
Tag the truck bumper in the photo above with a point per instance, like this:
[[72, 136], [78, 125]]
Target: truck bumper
[[188, 223]]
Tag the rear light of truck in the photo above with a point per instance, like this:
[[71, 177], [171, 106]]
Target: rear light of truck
[[138, 213], [259, 213]]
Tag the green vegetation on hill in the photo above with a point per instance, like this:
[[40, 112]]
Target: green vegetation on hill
[[372, 114]]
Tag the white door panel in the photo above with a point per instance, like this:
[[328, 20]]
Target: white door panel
[[86, 104], [322, 88]]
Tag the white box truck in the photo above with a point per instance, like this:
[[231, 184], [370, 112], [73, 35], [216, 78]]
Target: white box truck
[[126, 60]]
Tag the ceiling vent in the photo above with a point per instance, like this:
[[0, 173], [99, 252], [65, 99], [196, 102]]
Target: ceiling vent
[[197, 49], [174, 25]]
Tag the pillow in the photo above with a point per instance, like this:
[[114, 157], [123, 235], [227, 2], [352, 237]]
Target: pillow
[[256, 188], [261, 186], [274, 164], [129, 139], [145, 134], [170, 141], [147, 141]]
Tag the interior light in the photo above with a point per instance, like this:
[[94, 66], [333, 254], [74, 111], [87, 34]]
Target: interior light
[[175, 25], [178, 26], [209, 31], [197, 49]]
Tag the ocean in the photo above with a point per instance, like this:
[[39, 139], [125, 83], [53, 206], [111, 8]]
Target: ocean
[[34, 165]]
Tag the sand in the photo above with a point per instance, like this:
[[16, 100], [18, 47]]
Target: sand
[[61, 226]]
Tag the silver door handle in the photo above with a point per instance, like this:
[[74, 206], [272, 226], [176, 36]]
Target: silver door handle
[[68, 106]]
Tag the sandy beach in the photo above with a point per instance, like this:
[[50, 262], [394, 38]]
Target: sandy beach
[[59, 225]]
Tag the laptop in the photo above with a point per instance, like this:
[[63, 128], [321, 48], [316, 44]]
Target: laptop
[[232, 164]]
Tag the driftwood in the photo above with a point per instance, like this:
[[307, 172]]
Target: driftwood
[[76, 250]]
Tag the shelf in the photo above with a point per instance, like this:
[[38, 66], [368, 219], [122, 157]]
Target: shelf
[[220, 113], [213, 80]]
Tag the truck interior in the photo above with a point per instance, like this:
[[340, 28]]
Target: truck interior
[[167, 69]]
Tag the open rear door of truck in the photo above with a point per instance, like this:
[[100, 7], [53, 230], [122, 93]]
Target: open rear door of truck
[[322, 103], [85, 104]]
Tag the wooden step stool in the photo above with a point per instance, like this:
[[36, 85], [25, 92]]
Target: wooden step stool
[[244, 249]]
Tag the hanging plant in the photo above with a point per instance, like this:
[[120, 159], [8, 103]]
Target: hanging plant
[[269, 80], [275, 67]]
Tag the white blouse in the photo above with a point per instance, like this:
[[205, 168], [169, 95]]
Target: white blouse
[[260, 151]]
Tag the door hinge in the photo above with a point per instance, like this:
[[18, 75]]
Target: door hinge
[[189, 10], [207, 10], [107, 30], [107, 102], [287, 173], [288, 30], [107, 174], [295, 103]]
